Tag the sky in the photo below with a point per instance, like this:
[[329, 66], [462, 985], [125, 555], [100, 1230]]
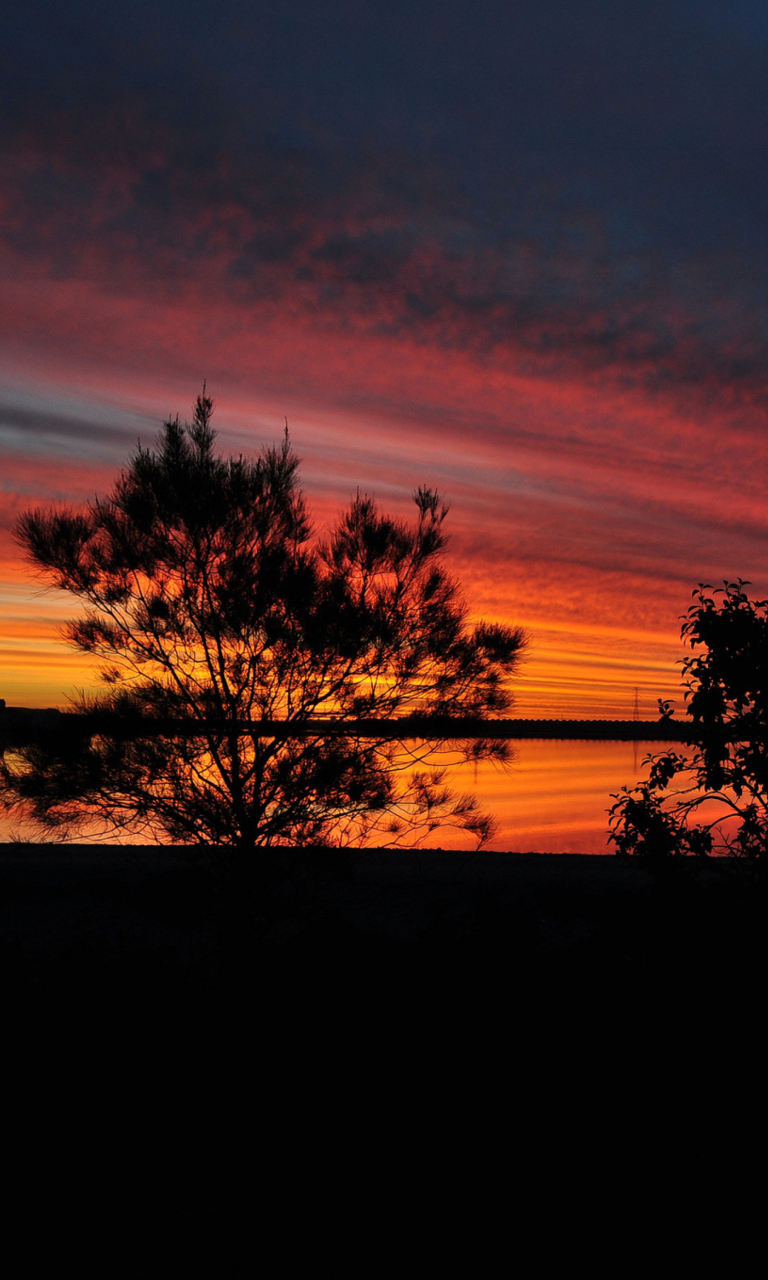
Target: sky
[[515, 251]]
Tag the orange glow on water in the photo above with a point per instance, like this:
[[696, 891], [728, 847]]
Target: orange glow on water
[[552, 798]]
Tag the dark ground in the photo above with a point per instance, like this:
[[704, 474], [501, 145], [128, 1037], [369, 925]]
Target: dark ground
[[402, 1009], [153, 925]]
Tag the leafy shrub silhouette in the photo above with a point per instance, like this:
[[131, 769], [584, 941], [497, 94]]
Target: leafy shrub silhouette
[[726, 694]]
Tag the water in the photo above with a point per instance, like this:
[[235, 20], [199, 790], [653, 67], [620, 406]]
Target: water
[[552, 799]]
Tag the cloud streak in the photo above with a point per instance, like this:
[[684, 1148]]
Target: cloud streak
[[372, 259]]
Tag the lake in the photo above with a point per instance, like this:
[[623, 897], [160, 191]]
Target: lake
[[554, 796], [551, 799]]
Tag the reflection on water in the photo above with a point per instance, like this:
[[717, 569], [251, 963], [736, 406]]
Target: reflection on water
[[554, 797]]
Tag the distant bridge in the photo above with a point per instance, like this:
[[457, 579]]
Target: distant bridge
[[21, 725]]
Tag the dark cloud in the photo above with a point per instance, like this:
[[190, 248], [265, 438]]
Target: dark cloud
[[568, 187], [35, 428]]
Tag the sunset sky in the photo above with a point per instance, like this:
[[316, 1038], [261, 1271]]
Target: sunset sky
[[513, 250]]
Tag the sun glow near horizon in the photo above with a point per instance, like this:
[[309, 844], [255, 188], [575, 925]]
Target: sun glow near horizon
[[570, 562]]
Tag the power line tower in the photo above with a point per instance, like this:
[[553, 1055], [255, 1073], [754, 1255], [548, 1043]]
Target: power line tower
[[636, 708]]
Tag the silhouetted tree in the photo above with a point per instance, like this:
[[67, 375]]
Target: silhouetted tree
[[726, 692], [208, 601]]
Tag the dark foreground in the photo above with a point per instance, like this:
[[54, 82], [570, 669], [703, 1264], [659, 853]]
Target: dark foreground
[[153, 926], [506, 1015]]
